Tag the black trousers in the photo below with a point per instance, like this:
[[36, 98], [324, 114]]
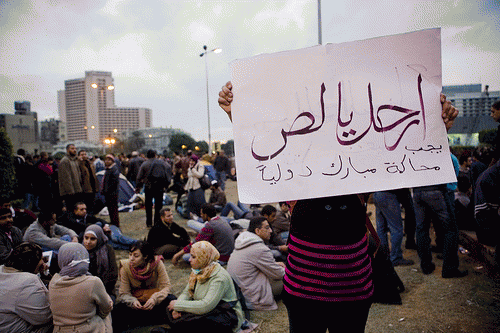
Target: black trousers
[[157, 195], [311, 316]]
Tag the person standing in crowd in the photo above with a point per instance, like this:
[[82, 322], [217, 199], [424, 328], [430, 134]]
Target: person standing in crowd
[[221, 166], [98, 164], [23, 178], [134, 165], [109, 190], [90, 184], [70, 178], [42, 182], [495, 114], [178, 180], [10, 236], [388, 217], [329, 301], [253, 267], [487, 209], [78, 300], [155, 176], [167, 237], [25, 299], [196, 195]]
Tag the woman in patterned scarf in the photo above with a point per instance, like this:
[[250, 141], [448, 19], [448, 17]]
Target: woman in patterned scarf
[[144, 292], [209, 302]]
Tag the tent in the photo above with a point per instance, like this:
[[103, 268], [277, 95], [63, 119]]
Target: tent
[[125, 189]]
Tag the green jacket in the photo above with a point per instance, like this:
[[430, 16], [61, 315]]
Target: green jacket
[[207, 295]]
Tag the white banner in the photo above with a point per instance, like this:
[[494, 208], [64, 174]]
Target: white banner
[[344, 118]]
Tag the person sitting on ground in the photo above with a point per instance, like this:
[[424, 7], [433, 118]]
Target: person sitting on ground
[[216, 231], [217, 196], [167, 237], [78, 300], [275, 243], [25, 301], [79, 218], [253, 267], [49, 235], [22, 217], [144, 292], [102, 258], [240, 210], [10, 236], [209, 302], [281, 225]]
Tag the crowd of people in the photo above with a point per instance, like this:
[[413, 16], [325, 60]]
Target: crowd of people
[[239, 263]]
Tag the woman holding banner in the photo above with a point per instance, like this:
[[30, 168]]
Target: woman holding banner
[[328, 277]]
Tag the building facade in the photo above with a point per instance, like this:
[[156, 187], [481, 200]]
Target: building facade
[[474, 107], [50, 131], [87, 106], [470, 100], [22, 127]]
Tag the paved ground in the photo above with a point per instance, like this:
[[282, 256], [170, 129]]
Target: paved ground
[[430, 303]]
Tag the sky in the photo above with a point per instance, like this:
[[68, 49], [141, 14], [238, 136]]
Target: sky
[[153, 47]]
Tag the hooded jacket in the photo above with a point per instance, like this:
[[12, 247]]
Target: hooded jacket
[[253, 267]]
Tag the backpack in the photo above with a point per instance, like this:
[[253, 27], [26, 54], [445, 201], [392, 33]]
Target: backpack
[[157, 176], [205, 180]]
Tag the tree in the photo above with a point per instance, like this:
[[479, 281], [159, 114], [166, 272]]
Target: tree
[[178, 140], [202, 146], [7, 172], [488, 136], [228, 148], [135, 142]]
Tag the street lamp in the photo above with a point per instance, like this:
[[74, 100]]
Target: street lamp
[[216, 50], [109, 142]]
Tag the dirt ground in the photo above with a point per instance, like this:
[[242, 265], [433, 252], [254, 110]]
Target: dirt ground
[[430, 303]]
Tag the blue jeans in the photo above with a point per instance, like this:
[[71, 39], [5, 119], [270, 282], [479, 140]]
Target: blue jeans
[[388, 212], [450, 228], [221, 179], [238, 210], [434, 205], [118, 240]]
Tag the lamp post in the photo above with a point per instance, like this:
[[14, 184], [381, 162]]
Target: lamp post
[[216, 50], [110, 142]]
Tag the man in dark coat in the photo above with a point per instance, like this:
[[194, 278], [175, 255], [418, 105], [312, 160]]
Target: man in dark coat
[[221, 166], [167, 237], [78, 220], [154, 174], [133, 167], [109, 189], [10, 236]]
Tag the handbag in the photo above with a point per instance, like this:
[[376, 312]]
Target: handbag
[[143, 295], [205, 182], [223, 315], [386, 283]]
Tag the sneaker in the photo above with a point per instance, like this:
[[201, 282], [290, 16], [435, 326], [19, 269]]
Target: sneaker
[[403, 262], [454, 274]]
